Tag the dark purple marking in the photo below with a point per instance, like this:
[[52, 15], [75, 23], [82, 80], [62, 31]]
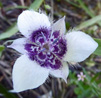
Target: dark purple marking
[[62, 47], [31, 48], [41, 40], [46, 51], [59, 45], [42, 56], [53, 63], [38, 34], [56, 34]]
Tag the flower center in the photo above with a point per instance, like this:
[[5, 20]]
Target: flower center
[[48, 49], [46, 46]]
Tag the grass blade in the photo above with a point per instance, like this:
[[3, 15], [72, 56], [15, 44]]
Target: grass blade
[[35, 5], [86, 9], [98, 50], [89, 22], [4, 92]]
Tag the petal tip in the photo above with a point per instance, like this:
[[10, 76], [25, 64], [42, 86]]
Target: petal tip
[[96, 45], [10, 46], [12, 91], [80, 46], [64, 17], [65, 79]]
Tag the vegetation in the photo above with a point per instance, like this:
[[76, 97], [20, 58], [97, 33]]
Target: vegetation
[[82, 15]]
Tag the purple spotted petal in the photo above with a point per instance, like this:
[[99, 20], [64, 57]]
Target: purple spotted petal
[[59, 45], [53, 61], [46, 48], [40, 36]]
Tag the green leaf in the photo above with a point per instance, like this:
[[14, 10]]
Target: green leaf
[[35, 5], [1, 4], [87, 10], [1, 49], [16, 7], [47, 6], [5, 93], [98, 50], [89, 22], [95, 89], [72, 3], [11, 31], [77, 91], [94, 78]]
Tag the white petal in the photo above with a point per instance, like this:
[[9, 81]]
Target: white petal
[[82, 79], [79, 46], [59, 26], [78, 75], [84, 76], [81, 73], [79, 78], [27, 74], [61, 73], [29, 21], [18, 45]]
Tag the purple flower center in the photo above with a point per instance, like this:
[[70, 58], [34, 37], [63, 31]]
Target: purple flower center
[[46, 48]]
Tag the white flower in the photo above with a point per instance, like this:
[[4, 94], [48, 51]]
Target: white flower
[[45, 50], [81, 76]]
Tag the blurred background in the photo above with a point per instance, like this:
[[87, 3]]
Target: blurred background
[[82, 15]]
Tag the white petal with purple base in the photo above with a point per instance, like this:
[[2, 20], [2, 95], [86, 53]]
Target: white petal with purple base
[[28, 74], [29, 21]]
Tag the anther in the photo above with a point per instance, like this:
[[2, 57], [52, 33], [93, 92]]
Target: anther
[[43, 36], [55, 40]]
